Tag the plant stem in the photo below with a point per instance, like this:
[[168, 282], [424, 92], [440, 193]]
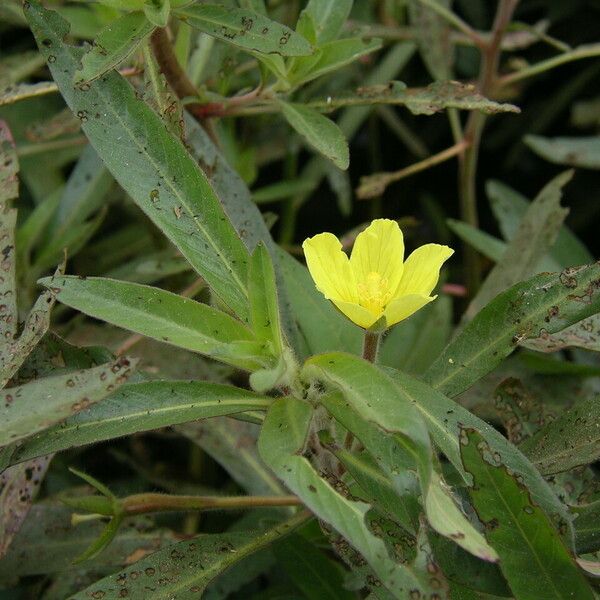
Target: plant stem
[[139, 504], [371, 346], [587, 51], [374, 185], [468, 162]]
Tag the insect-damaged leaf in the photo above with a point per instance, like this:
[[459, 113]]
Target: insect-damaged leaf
[[114, 44], [139, 407], [246, 29], [184, 570], [533, 557], [34, 406], [548, 302]]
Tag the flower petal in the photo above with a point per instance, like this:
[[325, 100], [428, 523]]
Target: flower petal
[[356, 313], [379, 249], [330, 268], [401, 308], [422, 270]]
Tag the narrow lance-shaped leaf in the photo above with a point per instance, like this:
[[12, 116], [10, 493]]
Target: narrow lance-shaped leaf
[[548, 302], [329, 57], [114, 44], [329, 17], [245, 29], [141, 407], [281, 442], [17, 350], [34, 406], [583, 152], [509, 208], [156, 313], [264, 313], [530, 549], [184, 570], [153, 167], [319, 131], [534, 238]]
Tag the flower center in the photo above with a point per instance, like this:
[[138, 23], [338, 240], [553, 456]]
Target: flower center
[[374, 293]]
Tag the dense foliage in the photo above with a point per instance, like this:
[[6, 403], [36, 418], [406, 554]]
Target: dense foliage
[[184, 414]]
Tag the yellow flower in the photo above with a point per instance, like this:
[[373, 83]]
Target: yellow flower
[[375, 281]]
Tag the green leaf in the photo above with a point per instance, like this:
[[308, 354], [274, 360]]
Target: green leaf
[[153, 167], [280, 190], [311, 570], [114, 44], [9, 181], [573, 439], [420, 101], [433, 37], [483, 242], [329, 57], [281, 443], [536, 234], [582, 152], [389, 405], [98, 485], [587, 527], [157, 12], [101, 542], [509, 208], [9, 316], [33, 407], [530, 549], [319, 131], [141, 407], [184, 570], [329, 17], [323, 328], [245, 29], [31, 230], [547, 302], [19, 486], [264, 307], [14, 353], [156, 313]]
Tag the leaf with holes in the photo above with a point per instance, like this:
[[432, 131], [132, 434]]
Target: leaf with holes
[[530, 548]]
